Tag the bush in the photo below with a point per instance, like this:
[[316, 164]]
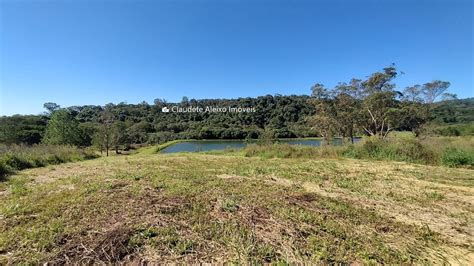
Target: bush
[[408, 149], [453, 157], [17, 162], [19, 157], [4, 170]]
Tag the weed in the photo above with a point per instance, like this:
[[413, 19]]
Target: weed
[[434, 195], [229, 205]]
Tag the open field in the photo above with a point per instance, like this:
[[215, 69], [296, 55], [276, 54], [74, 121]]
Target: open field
[[215, 208]]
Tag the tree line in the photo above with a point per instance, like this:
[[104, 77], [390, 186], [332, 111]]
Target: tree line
[[374, 107], [359, 107]]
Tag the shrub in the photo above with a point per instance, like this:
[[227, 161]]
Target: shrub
[[4, 170], [17, 161], [398, 149], [453, 157], [19, 157]]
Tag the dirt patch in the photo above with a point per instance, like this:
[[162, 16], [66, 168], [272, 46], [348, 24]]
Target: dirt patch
[[104, 236], [108, 247]]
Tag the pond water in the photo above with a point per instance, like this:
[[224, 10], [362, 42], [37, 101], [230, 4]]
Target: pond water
[[211, 145]]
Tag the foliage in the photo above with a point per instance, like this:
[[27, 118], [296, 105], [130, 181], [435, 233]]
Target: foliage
[[368, 106], [374, 106], [454, 112], [62, 129], [454, 157], [26, 129], [360, 107], [407, 148], [18, 157], [395, 148]]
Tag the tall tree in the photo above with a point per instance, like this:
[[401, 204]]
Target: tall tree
[[380, 81], [433, 90], [119, 135], [380, 118], [324, 119], [50, 108], [319, 92], [413, 113], [62, 128], [346, 109], [379, 102], [105, 130]]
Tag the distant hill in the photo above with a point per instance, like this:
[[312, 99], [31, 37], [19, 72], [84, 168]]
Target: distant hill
[[285, 116], [459, 111]]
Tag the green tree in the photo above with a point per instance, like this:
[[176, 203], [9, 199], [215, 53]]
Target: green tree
[[62, 128], [318, 91], [378, 116], [346, 109], [413, 113], [418, 103], [105, 133], [119, 135], [324, 119], [381, 113], [51, 107], [27, 129]]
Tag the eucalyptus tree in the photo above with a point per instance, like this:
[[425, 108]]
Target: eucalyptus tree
[[379, 105], [418, 102], [433, 90], [105, 133], [346, 109], [324, 119]]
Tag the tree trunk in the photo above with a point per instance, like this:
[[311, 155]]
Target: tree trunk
[[351, 133]]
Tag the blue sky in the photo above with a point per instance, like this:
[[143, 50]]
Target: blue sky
[[78, 52]]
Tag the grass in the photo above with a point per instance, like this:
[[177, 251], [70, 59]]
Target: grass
[[447, 151], [157, 148], [191, 208], [293, 151], [19, 157]]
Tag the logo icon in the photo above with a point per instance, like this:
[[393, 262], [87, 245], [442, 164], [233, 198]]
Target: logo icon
[[165, 110]]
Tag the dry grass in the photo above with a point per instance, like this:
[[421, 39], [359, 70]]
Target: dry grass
[[19, 157], [399, 146], [214, 208]]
